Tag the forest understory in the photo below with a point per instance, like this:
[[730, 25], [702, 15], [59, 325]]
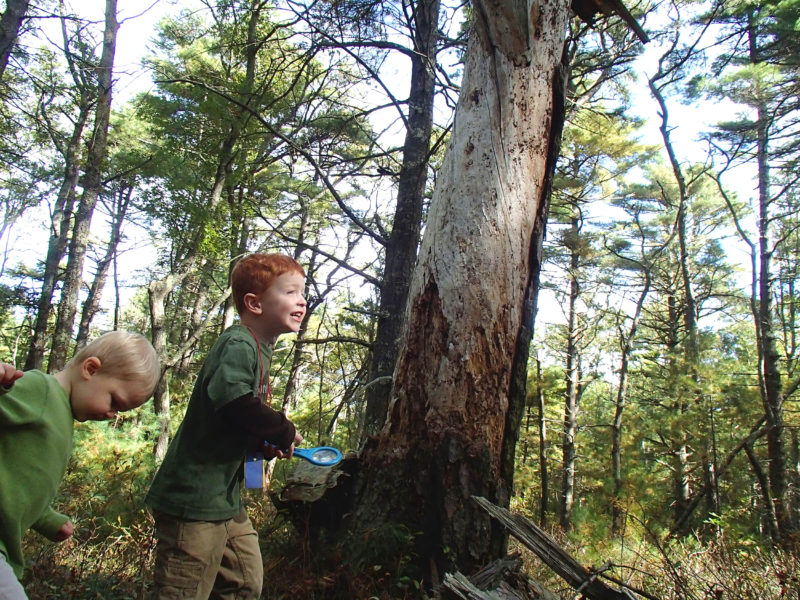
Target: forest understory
[[111, 554]]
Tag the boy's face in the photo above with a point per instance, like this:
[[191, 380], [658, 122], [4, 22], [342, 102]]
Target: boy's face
[[282, 305], [98, 397]]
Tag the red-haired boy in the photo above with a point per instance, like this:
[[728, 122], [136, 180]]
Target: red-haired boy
[[205, 541]]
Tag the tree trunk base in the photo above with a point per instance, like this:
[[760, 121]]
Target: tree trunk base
[[318, 498]]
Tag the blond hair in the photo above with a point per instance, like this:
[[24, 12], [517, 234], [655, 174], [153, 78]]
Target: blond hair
[[125, 355]]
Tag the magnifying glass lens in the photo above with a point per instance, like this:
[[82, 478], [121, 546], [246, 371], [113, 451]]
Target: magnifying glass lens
[[324, 456]]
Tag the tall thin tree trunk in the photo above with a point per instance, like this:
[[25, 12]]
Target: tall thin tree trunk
[[626, 348], [157, 294], [679, 446], [159, 290], [92, 304], [10, 24], [60, 225], [772, 386], [96, 158], [544, 477], [401, 248], [691, 343], [572, 391]]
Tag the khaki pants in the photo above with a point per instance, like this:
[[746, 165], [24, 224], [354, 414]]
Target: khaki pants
[[207, 559]]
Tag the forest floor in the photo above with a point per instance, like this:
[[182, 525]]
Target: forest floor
[[114, 562]]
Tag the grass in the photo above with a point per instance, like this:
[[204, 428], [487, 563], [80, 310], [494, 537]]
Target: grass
[[111, 554]]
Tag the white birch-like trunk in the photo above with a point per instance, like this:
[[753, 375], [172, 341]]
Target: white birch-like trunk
[[474, 255], [444, 434]]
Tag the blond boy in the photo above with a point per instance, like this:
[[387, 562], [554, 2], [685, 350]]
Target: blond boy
[[116, 372]]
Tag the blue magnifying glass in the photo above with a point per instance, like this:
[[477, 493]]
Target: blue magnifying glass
[[321, 456]]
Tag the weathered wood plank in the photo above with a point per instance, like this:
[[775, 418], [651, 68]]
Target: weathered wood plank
[[552, 554], [462, 587]]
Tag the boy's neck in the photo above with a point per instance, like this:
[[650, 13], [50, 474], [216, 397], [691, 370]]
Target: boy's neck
[[249, 321], [64, 378]]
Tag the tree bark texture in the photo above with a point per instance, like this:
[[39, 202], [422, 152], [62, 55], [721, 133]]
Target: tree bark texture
[[78, 62], [96, 157], [447, 422], [10, 24], [60, 224], [772, 384]]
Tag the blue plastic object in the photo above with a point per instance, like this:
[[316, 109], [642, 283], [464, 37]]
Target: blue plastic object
[[322, 456], [254, 475]]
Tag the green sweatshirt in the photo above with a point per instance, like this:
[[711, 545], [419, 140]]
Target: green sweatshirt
[[35, 445]]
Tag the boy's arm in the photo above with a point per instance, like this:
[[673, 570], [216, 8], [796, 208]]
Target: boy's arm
[[256, 418], [53, 525]]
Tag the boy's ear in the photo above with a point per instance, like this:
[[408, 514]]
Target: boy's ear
[[252, 303], [90, 366]]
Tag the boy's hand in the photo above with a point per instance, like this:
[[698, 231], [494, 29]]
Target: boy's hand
[[298, 439], [271, 451], [8, 375], [65, 532]]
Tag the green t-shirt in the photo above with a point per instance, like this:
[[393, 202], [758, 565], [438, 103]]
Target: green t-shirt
[[35, 445], [201, 475]]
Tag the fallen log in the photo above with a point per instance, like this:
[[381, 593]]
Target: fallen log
[[501, 580], [553, 555]]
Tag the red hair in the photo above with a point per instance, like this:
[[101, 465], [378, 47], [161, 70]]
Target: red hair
[[254, 273]]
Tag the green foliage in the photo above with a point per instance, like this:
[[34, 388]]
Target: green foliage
[[266, 134], [109, 555]]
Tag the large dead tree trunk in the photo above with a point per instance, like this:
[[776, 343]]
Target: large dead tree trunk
[[448, 422]]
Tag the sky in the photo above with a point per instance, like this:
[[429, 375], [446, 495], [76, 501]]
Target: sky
[[138, 24]]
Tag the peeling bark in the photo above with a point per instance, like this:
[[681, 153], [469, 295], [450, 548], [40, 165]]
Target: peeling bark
[[447, 425]]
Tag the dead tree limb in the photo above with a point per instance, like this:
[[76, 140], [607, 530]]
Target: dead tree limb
[[552, 554]]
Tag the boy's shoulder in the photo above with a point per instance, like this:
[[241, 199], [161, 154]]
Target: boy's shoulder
[[235, 333], [235, 339], [34, 394], [36, 380]]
